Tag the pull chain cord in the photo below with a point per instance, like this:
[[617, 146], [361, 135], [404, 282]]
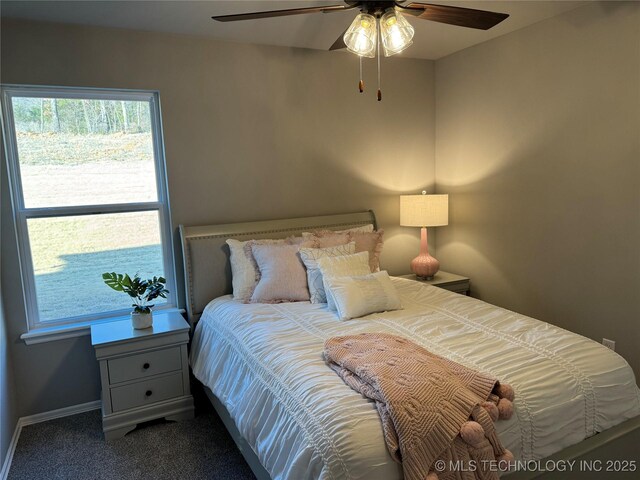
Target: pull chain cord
[[378, 55], [361, 82]]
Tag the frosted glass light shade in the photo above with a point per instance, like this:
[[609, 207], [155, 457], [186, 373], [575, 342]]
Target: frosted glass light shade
[[360, 37], [395, 32], [424, 210]]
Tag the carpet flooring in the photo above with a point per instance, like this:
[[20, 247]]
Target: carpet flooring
[[74, 448]]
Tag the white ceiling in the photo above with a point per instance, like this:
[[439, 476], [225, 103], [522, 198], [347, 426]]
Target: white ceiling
[[318, 31]]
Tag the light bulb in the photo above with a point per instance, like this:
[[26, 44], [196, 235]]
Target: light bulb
[[360, 37], [395, 32]]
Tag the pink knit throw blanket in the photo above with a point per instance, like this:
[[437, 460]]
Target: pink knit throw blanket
[[437, 415]]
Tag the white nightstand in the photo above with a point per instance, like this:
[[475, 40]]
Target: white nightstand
[[144, 373], [446, 280]]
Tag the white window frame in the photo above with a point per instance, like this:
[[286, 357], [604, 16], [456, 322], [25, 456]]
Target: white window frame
[[21, 213]]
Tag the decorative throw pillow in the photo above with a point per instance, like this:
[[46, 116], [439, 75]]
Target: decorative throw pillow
[[310, 258], [243, 270], [347, 265], [362, 295], [329, 239], [369, 242], [282, 274]]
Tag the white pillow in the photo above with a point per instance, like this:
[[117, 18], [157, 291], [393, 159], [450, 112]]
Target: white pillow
[[244, 276], [362, 295], [364, 229], [344, 266], [310, 257]]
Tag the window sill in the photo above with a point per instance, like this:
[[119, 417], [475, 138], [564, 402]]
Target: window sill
[[80, 329]]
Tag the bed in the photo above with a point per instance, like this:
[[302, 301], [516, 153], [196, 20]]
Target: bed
[[293, 418]]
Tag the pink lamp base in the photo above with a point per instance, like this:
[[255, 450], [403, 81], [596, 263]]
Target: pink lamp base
[[425, 266]]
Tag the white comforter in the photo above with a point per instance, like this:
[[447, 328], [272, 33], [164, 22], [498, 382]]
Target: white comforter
[[264, 363]]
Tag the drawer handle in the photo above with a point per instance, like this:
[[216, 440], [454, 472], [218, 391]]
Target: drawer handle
[[148, 393], [146, 366]]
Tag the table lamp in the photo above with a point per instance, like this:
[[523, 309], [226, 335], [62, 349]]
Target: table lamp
[[424, 211]]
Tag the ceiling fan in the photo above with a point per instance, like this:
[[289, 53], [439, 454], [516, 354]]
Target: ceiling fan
[[383, 22]]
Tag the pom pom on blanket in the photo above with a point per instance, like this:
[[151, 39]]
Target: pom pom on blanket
[[505, 408], [431, 476], [472, 433], [507, 456], [492, 410], [504, 460], [504, 390]]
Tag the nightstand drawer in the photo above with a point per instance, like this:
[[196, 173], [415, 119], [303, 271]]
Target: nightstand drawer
[[144, 365], [146, 392]]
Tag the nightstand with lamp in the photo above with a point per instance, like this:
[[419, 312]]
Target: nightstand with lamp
[[429, 211]]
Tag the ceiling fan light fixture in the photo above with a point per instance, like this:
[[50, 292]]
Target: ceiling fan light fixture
[[360, 37], [379, 25], [395, 32]]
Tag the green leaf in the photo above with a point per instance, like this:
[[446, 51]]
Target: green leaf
[[142, 291], [112, 280]]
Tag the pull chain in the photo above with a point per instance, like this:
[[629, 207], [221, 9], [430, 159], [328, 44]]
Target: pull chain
[[361, 82], [378, 55]]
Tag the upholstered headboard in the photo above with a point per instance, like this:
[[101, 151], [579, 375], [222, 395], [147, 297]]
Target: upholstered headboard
[[207, 271]]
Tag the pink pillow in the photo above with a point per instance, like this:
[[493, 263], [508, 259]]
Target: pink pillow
[[369, 242], [282, 277], [365, 242], [329, 238]]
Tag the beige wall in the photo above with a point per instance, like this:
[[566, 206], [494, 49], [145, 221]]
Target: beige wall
[[251, 132], [538, 145]]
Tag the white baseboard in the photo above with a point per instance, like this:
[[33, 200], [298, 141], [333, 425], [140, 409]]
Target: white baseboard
[[61, 412], [38, 418]]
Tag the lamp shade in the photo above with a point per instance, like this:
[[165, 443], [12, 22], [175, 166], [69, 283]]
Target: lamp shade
[[424, 210], [360, 37]]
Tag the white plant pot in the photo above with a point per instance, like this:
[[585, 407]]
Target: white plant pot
[[141, 321]]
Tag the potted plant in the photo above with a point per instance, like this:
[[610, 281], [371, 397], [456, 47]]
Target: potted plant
[[141, 291]]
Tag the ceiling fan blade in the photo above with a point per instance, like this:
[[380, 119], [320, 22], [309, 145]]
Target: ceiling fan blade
[[281, 13], [339, 43], [462, 17]]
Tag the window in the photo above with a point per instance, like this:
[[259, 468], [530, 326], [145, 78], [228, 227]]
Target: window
[[87, 176]]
